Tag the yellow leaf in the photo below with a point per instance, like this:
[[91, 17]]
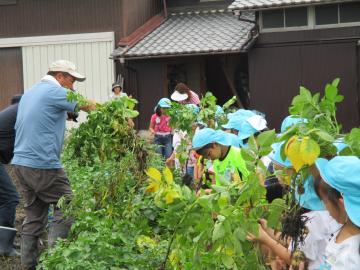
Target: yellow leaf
[[168, 176], [154, 174], [293, 153], [153, 187], [289, 142], [309, 150], [170, 196]]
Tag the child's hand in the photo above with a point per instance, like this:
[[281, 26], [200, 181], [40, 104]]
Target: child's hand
[[262, 238]]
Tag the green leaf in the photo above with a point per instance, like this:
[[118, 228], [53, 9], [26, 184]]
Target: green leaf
[[325, 136], [336, 82], [266, 138], [218, 232], [227, 260]]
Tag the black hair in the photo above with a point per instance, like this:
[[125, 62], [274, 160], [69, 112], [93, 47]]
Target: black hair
[[158, 110], [15, 99], [321, 187], [201, 151]]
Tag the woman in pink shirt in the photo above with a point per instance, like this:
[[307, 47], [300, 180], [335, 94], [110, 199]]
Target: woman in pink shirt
[[184, 95], [159, 126]]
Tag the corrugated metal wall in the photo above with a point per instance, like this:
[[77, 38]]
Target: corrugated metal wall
[[91, 59]]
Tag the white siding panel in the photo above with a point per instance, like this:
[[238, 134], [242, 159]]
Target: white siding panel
[[90, 58]]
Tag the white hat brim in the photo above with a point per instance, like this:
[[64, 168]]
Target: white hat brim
[[77, 76], [177, 96]]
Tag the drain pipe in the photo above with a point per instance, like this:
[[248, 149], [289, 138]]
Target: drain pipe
[[165, 9], [254, 32]]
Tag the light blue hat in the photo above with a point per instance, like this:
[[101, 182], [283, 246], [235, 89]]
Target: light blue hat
[[343, 174], [246, 130], [275, 156], [193, 107], [309, 198], [291, 120], [233, 123], [164, 103], [340, 145], [242, 113], [208, 135]]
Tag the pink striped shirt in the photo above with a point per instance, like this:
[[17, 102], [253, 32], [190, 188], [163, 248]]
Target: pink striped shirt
[[193, 98]]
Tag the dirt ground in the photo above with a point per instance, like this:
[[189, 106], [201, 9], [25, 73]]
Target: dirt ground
[[9, 263]]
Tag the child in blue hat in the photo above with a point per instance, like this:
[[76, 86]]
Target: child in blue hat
[[339, 188], [319, 223], [159, 126], [220, 147]]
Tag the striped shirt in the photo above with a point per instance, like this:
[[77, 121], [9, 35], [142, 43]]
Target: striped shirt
[[193, 98]]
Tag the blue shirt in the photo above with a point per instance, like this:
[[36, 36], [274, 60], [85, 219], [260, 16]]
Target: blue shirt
[[40, 126]]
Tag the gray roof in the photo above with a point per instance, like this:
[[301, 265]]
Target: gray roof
[[191, 33], [264, 4]]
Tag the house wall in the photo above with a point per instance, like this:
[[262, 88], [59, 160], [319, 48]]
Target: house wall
[[33, 18], [281, 62]]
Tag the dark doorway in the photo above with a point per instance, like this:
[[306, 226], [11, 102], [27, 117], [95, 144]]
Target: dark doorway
[[11, 82]]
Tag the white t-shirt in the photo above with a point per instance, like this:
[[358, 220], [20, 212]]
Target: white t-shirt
[[342, 256], [112, 95], [321, 227]]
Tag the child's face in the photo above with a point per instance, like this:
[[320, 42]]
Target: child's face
[[213, 152], [163, 111], [338, 211]]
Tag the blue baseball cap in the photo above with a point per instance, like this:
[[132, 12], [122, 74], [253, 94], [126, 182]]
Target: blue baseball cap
[[164, 103], [246, 130], [208, 135], [309, 199], [343, 174], [291, 120]]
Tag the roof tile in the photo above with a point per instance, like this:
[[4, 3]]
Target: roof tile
[[194, 32]]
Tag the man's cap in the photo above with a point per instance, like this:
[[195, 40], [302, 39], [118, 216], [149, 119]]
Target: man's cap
[[177, 96], [68, 67], [343, 174], [208, 135]]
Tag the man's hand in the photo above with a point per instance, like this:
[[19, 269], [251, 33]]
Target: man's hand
[[90, 106]]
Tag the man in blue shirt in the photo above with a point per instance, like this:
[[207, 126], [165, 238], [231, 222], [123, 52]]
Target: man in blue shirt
[[40, 129]]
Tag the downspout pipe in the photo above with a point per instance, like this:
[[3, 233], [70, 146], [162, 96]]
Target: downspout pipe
[[165, 9], [254, 33]]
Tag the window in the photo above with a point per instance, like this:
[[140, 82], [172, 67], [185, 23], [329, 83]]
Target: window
[[335, 14], [327, 14], [349, 12], [296, 17], [273, 18], [280, 18]]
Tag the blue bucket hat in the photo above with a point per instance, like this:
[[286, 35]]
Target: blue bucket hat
[[163, 103], [309, 199], [343, 174], [291, 120], [208, 135], [246, 130]]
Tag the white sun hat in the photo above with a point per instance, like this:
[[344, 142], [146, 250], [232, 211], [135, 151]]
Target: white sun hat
[[177, 96], [68, 67]]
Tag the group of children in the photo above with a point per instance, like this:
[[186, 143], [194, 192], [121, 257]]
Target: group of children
[[330, 197]]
